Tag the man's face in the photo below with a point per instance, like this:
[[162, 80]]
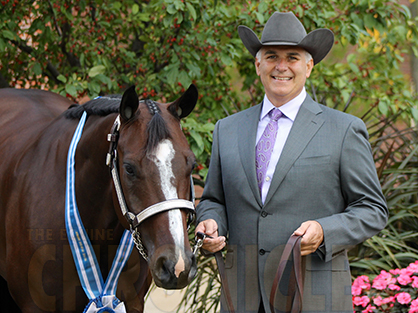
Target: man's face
[[283, 71]]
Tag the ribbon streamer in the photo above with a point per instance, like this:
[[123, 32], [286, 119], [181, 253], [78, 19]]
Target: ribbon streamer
[[102, 295]]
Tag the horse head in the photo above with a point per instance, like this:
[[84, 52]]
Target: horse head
[[153, 163]]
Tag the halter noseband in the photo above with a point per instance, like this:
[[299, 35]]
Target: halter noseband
[[135, 220]]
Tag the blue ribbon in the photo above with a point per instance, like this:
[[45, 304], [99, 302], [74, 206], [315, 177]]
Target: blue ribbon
[[84, 257]]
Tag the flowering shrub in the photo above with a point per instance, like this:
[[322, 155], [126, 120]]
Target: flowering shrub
[[393, 291]]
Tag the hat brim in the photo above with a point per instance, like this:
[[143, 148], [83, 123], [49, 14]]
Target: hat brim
[[318, 42]]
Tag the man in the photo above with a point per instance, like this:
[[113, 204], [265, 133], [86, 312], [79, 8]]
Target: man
[[320, 181]]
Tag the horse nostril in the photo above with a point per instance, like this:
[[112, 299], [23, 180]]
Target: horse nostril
[[165, 268], [174, 270]]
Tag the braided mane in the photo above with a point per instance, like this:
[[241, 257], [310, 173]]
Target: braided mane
[[157, 129]]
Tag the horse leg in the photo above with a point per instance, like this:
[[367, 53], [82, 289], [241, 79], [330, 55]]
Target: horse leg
[[7, 303]]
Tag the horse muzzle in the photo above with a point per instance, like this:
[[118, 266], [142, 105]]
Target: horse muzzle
[[173, 268]]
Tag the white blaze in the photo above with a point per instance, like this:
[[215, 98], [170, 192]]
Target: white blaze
[[163, 157]]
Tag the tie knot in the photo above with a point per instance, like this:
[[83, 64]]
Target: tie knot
[[275, 114]]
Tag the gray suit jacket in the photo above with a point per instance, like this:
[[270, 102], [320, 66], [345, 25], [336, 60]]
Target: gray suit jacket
[[325, 173]]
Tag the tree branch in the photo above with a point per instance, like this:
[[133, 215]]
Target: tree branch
[[3, 82], [29, 50]]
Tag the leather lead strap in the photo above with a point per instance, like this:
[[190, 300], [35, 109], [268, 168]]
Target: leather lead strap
[[295, 285], [224, 281], [296, 292]]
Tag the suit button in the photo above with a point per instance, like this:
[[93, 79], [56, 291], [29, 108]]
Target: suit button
[[264, 214], [261, 252]]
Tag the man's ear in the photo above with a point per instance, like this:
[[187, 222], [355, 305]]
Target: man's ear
[[257, 66], [309, 67]]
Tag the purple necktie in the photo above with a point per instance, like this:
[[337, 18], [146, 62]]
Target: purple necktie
[[265, 146]]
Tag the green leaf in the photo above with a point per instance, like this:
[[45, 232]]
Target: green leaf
[[414, 112], [184, 79], [383, 108], [171, 75], [94, 88], [37, 69], [117, 5], [135, 9], [262, 7], [197, 138], [62, 78], [71, 90], [171, 9], [99, 69], [194, 69], [260, 17], [8, 34], [191, 10], [226, 59]]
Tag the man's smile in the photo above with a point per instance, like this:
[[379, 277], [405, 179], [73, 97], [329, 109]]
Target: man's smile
[[281, 78]]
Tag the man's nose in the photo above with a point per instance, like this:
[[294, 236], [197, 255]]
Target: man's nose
[[281, 65]]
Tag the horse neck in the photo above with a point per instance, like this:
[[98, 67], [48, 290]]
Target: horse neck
[[94, 189]]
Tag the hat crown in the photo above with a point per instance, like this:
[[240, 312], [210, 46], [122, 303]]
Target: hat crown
[[283, 27]]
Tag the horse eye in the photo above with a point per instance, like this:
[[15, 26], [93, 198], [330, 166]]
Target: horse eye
[[129, 169]]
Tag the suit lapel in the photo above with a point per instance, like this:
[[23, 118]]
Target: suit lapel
[[308, 121], [247, 147]]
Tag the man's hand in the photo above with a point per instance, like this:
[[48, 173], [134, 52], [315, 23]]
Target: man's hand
[[312, 236], [210, 229]]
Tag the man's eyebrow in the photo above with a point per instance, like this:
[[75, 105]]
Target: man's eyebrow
[[269, 52], [292, 53]]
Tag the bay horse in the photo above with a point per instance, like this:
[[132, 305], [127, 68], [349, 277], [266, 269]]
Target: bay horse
[[153, 162]]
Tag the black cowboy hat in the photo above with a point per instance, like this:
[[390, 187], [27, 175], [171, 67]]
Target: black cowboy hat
[[284, 29]]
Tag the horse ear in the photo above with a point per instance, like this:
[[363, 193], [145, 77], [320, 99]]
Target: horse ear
[[184, 105], [129, 103]]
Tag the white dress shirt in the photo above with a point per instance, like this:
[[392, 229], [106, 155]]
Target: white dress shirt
[[289, 110]]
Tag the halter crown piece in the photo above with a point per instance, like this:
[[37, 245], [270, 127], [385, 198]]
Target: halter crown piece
[[102, 295]]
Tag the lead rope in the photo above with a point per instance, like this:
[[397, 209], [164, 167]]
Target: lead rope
[[200, 237], [292, 246], [102, 295]]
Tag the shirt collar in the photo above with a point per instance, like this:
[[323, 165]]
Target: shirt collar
[[289, 109]]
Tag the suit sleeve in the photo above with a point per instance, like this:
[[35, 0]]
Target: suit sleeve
[[366, 211], [212, 203]]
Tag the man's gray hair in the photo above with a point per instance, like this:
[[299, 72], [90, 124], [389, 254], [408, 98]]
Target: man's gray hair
[[308, 56]]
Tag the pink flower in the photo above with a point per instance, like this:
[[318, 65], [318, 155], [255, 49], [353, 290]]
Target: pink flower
[[360, 283], [369, 309], [403, 298], [415, 282], [363, 301], [395, 271], [394, 287], [382, 280], [413, 267], [404, 279], [406, 271], [389, 299], [378, 301], [414, 306]]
